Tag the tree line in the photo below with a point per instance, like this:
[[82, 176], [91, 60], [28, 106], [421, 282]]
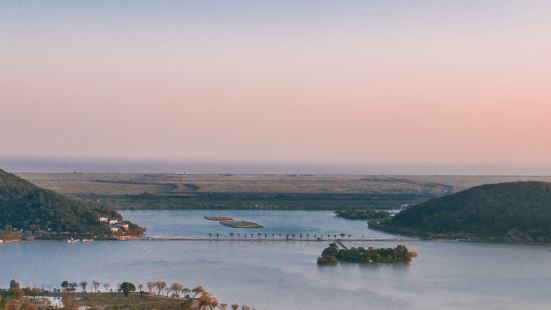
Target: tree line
[[363, 214], [196, 298]]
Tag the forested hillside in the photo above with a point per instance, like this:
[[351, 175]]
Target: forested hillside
[[24, 206], [510, 212]]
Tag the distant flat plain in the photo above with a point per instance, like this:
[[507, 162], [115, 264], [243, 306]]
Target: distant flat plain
[[260, 191]]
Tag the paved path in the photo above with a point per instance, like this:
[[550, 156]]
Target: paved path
[[277, 239]]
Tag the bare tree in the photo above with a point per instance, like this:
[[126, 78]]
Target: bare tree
[[199, 290], [151, 286], [106, 286], [176, 288], [161, 286], [96, 285], [207, 302]]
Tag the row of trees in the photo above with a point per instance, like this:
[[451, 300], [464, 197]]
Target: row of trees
[[160, 288], [195, 298], [260, 236], [84, 285], [15, 296]]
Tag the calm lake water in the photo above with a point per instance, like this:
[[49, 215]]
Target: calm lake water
[[284, 275], [177, 223]]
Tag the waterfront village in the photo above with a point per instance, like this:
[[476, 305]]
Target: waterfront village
[[119, 230]]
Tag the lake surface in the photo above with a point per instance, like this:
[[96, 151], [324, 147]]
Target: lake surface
[[284, 275], [191, 223]]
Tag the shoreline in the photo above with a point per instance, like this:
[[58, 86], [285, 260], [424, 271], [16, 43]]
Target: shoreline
[[202, 239], [9, 241], [190, 238]]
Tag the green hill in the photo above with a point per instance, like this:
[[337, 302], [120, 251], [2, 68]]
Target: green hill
[[506, 212], [44, 213]]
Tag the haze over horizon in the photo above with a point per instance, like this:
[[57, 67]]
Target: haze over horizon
[[358, 83], [30, 164]]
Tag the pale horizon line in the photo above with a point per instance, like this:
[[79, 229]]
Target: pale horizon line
[[114, 164]]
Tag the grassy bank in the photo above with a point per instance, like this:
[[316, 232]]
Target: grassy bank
[[153, 295], [266, 201]]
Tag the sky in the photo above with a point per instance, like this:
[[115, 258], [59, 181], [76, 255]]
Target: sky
[[464, 83]]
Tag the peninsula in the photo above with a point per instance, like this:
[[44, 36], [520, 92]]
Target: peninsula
[[28, 212], [516, 212]]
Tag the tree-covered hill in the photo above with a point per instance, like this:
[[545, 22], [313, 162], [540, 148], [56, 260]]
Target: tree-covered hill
[[41, 212], [506, 212]]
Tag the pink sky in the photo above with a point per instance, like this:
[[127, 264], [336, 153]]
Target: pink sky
[[469, 87]]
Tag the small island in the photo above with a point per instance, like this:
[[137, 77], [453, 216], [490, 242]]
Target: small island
[[240, 224], [331, 255], [228, 221], [218, 218]]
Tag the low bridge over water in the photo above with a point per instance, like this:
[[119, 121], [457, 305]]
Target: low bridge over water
[[339, 241]]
